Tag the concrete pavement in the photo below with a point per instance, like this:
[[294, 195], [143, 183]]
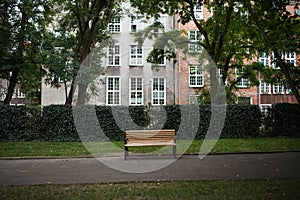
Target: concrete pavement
[[188, 167]]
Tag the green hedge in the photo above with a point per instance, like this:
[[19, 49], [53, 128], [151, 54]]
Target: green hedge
[[19, 123], [286, 120], [56, 122]]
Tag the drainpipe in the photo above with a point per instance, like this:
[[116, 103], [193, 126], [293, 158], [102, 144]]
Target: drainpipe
[[259, 91], [179, 71], [173, 67]]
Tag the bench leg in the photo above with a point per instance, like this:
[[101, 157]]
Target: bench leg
[[174, 151], [125, 152]]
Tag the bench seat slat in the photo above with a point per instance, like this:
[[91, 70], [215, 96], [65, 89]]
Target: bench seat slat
[[150, 144]]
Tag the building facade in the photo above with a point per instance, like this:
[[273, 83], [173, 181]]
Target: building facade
[[129, 79], [191, 80]]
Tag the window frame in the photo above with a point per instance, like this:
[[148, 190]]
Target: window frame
[[114, 55], [137, 21], [158, 91], [196, 75], [198, 11], [244, 82], [113, 90], [265, 88], [194, 43], [135, 90], [265, 59], [136, 56], [115, 23], [276, 87], [290, 56]]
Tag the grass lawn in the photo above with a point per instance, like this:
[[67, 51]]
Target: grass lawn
[[220, 189], [15, 149]]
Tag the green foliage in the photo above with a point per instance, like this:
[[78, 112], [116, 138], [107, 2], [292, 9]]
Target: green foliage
[[19, 123], [279, 33], [56, 123], [22, 27], [287, 120]]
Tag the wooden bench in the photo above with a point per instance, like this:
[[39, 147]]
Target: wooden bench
[[138, 138]]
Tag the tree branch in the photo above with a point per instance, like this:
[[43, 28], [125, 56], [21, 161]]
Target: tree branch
[[199, 26], [225, 31]]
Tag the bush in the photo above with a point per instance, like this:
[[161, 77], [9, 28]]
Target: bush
[[242, 121], [19, 123], [286, 120], [56, 123]]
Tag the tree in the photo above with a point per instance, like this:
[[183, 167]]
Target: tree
[[279, 31], [22, 25], [226, 41], [80, 26]]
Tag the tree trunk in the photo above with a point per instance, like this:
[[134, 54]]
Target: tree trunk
[[69, 98], [82, 89], [13, 80], [11, 87]]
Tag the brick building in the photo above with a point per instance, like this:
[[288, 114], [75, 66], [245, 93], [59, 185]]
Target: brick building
[[190, 77]]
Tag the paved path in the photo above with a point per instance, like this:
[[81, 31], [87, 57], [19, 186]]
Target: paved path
[[188, 167]]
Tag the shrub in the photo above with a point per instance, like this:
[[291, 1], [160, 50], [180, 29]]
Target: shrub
[[286, 120], [56, 123], [19, 123]]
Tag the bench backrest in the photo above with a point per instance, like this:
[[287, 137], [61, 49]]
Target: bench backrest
[[150, 136]]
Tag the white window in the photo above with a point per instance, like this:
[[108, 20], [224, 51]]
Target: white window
[[136, 23], [136, 91], [114, 55], [291, 58], [113, 93], [136, 55], [278, 88], [196, 76], [265, 88], [158, 91], [264, 108], [244, 82], [198, 11], [264, 58], [18, 94], [115, 26], [160, 24], [195, 38]]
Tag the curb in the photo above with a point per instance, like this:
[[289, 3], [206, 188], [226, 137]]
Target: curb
[[185, 154]]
